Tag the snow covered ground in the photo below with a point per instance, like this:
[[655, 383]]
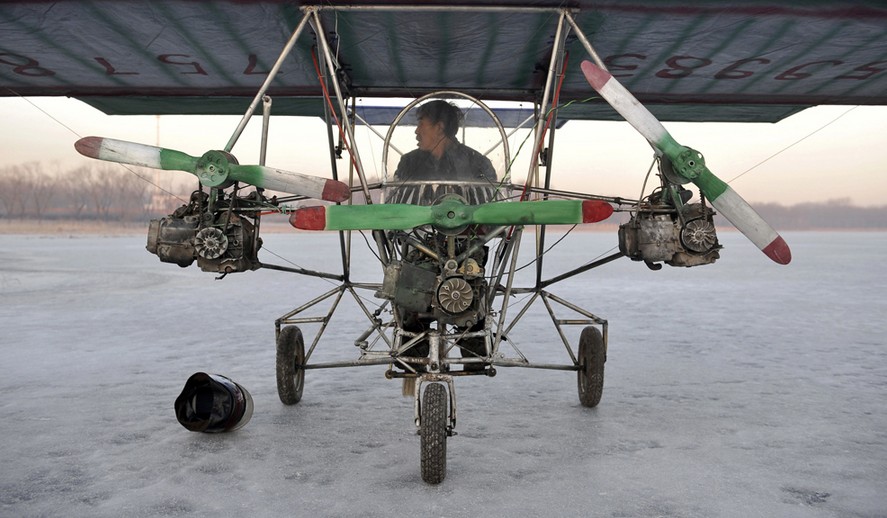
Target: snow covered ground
[[739, 389]]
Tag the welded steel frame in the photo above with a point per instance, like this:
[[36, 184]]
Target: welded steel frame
[[388, 333]]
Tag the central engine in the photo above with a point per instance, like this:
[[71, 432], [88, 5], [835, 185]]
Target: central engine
[[435, 281]]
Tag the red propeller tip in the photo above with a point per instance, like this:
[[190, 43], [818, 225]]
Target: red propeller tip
[[595, 210], [334, 190], [596, 76], [89, 146], [779, 251], [309, 218]]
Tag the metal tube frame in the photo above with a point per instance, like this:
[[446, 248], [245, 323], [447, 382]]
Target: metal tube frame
[[343, 109], [396, 348], [390, 342], [267, 83]]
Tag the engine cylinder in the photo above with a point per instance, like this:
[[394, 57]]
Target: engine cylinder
[[170, 239]]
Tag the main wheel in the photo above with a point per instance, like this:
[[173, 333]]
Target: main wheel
[[592, 356], [290, 359], [434, 433]]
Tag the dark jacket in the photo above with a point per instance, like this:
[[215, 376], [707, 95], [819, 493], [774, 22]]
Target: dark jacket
[[459, 162]]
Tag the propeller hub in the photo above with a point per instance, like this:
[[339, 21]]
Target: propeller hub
[[689, 163], [451, 215], [214, 167]]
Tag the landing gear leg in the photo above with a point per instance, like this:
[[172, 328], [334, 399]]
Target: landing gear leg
[[435, 413]]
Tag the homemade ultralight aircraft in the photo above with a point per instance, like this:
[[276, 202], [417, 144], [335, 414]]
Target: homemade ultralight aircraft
[[447, 247]]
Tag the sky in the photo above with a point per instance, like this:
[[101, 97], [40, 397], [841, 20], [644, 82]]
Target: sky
[[820, 154]]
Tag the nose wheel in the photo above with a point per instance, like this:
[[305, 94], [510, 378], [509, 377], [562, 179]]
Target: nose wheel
[[433, 433]]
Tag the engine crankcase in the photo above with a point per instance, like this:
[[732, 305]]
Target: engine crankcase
[[662, 237]]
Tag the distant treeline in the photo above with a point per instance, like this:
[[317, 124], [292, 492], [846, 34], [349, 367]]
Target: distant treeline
[[103, 192], [106, 192], [837, 214]]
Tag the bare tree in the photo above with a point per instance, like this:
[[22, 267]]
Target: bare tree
[[7, 199], [99, 182], [75, 186], [14, 190], [131, 195], [43, 190]]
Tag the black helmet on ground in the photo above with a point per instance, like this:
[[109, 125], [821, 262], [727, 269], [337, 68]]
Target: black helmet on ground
[[213, 403]]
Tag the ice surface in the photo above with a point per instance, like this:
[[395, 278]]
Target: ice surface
[[739, 389]]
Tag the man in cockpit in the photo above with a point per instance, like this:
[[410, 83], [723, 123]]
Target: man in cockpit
[[441, 164]]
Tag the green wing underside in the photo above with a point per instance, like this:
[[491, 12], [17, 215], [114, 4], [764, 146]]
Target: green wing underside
[[724, 61]]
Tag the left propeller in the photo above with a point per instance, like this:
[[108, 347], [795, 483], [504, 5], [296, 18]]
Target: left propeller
[[213, 168]]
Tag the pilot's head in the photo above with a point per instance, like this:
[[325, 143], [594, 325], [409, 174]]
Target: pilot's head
[[442, 112], [438, 122]]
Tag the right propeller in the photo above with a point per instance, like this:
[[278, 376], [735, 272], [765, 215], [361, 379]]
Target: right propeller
[[689, 165]]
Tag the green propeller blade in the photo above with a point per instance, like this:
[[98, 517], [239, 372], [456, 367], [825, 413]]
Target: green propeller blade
[[449, 215], [213, 169]]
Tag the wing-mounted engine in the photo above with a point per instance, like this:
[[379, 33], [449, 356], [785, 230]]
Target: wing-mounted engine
[[220, 240], [440, 277], [667, 229]]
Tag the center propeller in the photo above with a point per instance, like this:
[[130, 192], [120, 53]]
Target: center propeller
[[689, 165], [213, 169], [449, 214]]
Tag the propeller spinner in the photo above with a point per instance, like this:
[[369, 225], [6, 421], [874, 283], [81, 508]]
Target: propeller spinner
[[689, 165], [213, 169]]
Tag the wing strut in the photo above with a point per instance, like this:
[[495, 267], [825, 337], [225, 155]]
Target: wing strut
[[264, 88]]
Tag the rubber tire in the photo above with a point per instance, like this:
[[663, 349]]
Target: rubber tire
[[592, 356], [290, 358], [434, 434]]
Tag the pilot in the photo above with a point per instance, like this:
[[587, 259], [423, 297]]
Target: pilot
[[441, 164]]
